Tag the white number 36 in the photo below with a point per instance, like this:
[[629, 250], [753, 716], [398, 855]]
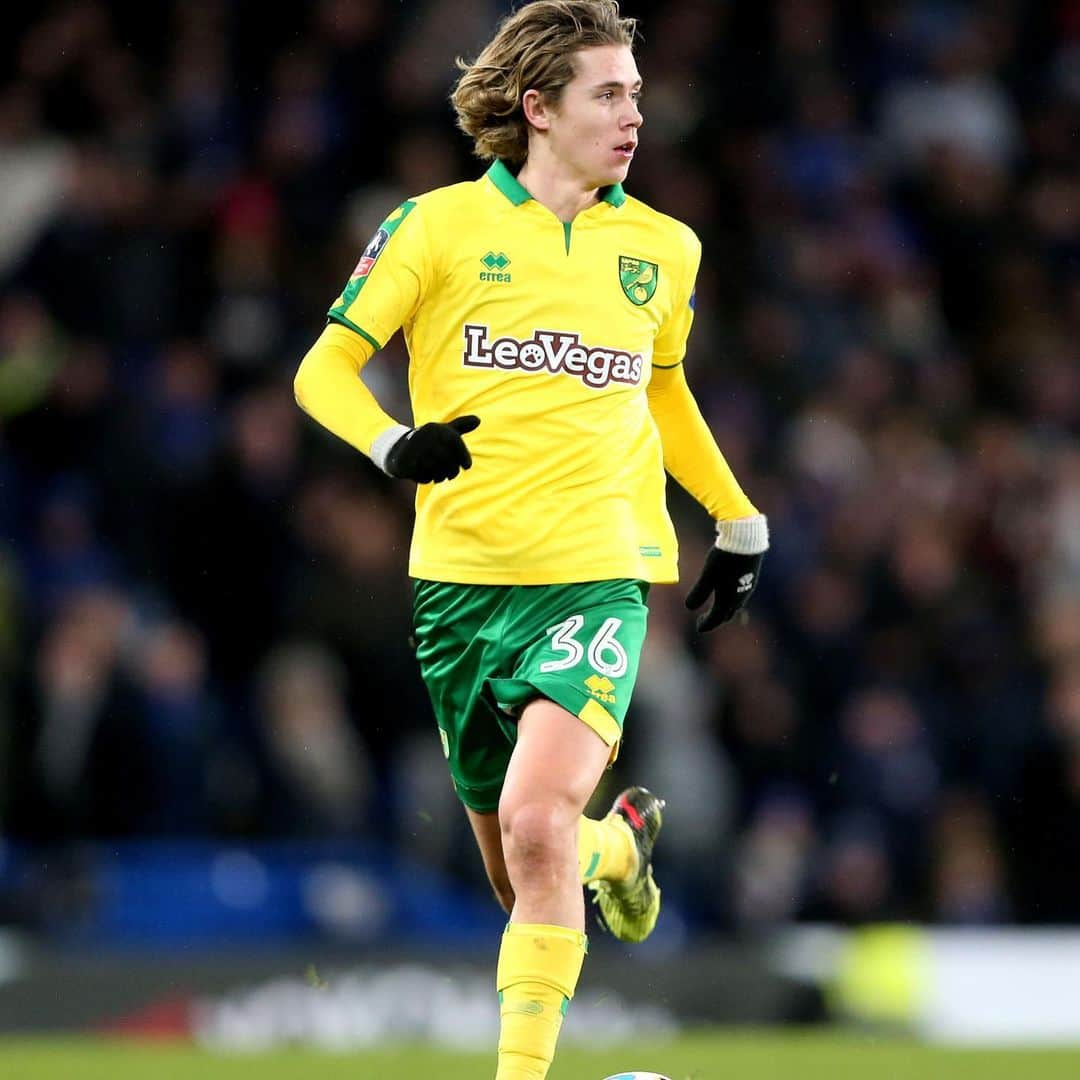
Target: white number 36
[[606, 655]]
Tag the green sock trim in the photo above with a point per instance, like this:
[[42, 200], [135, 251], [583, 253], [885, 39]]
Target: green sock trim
[[593, 864], [565, 1005]]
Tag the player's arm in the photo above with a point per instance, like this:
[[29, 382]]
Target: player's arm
[[386, 288], [692, 456], [328, 388]]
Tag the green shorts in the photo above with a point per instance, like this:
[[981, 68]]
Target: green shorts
[[487, 650]]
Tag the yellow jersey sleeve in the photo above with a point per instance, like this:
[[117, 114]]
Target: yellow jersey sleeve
[[690, 451], [390, 281], [670, 345], [329, 390]]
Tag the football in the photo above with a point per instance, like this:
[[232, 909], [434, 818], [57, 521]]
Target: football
[[637, 1076]]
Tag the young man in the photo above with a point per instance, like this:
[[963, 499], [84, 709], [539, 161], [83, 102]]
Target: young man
[[546, 316]]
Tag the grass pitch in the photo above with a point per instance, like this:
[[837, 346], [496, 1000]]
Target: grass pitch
[[712, 1055]]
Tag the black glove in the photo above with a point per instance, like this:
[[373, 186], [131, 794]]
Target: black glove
[[432, 452], [731, 579]]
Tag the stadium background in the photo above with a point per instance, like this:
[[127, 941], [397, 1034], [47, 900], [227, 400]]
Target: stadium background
[[204, 613]]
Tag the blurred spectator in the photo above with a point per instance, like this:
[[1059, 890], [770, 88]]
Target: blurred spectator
[[31, 352], [1044, 811], [33, 171], [773, 860], [67, 555], [955, 103], [856, 880], [182, 428], [179, 716], [969, 886], [322, 775], [228, 546], [83, 761]]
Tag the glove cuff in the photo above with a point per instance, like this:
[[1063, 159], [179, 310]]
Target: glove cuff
[[743, 536], [384, 443]]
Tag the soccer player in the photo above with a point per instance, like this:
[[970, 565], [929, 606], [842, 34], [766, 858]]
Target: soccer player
[[546, 314]]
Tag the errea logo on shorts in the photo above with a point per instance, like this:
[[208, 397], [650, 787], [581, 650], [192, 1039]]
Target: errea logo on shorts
[[600, 686], [554, 351]]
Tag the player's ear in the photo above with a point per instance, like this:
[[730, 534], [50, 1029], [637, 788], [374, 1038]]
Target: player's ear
[[536, 110]]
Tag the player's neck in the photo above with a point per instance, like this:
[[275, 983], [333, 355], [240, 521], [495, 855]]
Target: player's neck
[[557, 189]]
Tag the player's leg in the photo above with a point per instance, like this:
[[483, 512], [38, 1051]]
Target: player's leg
[[553, 771], [606, 849], [615, 850], [623, 888], [465, 634], [488, 835], [458, 631], [586, 660]]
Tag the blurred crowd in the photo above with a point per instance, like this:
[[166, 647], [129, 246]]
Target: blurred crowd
[[204, 611]]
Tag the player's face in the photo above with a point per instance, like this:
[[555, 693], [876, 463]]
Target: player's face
[[594, 127]]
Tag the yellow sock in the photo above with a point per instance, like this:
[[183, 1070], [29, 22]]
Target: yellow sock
[[606, 850], [538, 970]]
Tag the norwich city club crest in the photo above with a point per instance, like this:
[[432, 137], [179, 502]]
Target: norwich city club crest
[[638, 279]]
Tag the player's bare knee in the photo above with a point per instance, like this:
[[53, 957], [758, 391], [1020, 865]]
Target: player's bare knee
[[535, 834]]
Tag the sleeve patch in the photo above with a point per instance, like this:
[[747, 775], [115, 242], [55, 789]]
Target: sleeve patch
[[371, 253], [376, 246]]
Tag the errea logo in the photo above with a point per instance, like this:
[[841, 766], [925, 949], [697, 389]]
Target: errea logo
[[600, 686], [496, 263]]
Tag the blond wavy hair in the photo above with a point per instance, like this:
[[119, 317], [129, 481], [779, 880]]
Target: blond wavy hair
[[533, 49]]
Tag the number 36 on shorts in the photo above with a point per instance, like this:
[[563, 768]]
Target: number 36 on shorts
[[586, 652], [604, 653]]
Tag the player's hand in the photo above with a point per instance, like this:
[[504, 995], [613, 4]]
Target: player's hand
[[731, 570], [433, 452], [730, 579]]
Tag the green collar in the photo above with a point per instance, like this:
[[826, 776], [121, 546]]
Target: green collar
[[501, 176]]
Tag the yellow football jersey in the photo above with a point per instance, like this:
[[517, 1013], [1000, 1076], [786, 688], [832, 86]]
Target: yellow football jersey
[[549, 332]]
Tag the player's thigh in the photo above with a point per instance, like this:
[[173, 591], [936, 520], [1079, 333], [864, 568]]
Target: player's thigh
[[557, 763]]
